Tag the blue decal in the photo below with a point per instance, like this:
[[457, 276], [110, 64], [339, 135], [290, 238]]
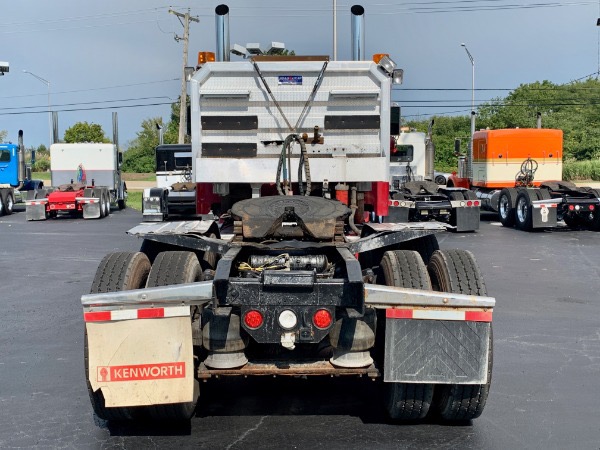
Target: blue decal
[[290, 79]]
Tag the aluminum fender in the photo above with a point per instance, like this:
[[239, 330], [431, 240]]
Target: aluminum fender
[[174, 295], [142, 361], [384, 297]]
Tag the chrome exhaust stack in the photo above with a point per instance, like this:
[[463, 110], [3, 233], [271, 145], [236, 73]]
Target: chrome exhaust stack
[[115, 129], [54, 127], [358, 32], [21, 169], [222, 29]]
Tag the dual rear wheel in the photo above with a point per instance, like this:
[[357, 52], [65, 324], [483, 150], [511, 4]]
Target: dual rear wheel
[[453, 271], [133, 270]]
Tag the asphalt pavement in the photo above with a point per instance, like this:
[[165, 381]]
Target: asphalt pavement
[[546, 379]]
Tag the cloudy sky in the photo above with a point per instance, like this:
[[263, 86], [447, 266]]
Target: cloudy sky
[[121, 56]]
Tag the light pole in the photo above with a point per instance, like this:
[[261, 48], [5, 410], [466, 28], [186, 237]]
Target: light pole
[[472, 90], [49, 112], [470, 156]]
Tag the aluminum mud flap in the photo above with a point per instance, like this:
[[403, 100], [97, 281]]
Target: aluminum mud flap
[[145, 361], [467, 218], [91, 210], [543, 214], [35, 211], [435, 351]]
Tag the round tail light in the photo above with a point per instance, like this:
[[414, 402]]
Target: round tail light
[[571, 207], [253, 319], [469, 203], [322, 318], [592, 207]]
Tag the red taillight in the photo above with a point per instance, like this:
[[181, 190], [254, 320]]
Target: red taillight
[[253, 319], [322, 318], [571, 208], [592, 207], [476, 203], [469, 203]]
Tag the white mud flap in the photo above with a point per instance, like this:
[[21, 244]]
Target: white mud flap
[[145, 361]]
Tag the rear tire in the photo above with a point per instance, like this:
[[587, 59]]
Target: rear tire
[[153, 248], [102, 205], [176, 268], [506, 212], [524, 209], [2, 207], [425, 245], [9, 204], [107, 202], [456, 271], [406, 401], [117, 272]]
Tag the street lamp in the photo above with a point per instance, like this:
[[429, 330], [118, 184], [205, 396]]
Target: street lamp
[[472, 90], [470, 157], [49, 112]]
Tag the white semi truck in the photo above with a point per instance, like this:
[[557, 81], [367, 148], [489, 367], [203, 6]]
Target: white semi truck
[[292, 279], [85, 180], [416, 196]]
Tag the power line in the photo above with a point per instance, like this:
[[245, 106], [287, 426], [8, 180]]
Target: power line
[[76, 18], [85, 109], [94, 89], [91, 103], [416, 8]]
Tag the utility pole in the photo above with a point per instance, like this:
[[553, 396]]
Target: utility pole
[[186, 35]]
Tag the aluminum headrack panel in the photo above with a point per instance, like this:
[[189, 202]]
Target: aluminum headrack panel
[[238, 127]]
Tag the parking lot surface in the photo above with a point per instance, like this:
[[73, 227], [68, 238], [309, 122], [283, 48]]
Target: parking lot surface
[[546, 378]]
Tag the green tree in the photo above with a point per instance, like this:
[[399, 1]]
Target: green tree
[[573, 108], [3, 134], [139, 156], [85, 132]]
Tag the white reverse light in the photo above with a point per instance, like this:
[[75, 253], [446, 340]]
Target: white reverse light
[[288, 319]]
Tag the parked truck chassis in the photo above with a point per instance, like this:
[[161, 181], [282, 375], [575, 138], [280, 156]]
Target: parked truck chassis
[[290, 295]]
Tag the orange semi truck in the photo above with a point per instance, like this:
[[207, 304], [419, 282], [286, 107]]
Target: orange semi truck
[[518, 174]]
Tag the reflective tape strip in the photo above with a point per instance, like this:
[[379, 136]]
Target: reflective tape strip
[[132, 314], [439, 314]]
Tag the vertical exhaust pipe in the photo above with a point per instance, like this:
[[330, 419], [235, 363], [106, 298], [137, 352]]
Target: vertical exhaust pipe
[[21, 160], [222, 28], [115, 127], [429, 153], [539, 120], [358, 32], [54, 127]]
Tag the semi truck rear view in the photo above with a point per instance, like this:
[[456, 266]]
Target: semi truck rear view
[[292, 278], [85, 180], [518, 174]]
